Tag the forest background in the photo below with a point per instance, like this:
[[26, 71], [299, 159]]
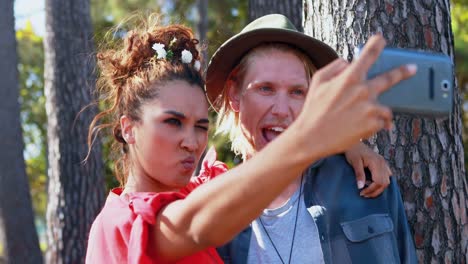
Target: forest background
[[213, 22]]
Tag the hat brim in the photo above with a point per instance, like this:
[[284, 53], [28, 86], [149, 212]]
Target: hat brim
[[230, 53]]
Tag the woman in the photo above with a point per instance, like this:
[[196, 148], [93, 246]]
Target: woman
[[158, 112]]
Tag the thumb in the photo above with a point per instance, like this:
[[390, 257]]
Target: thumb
[[331, 70]]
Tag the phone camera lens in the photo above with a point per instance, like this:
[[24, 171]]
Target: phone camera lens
[[445, 86]]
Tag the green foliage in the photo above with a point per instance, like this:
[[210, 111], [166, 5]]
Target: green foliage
[[225, 18], [106, 15], [459, 12], [33, 115], [228, 18], [460, 32]]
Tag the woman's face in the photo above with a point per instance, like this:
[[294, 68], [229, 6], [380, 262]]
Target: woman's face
[[170, 136]]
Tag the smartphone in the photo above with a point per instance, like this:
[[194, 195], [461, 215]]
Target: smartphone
[[428, 93]]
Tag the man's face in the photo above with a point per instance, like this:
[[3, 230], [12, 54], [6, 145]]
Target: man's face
[[271, 96]]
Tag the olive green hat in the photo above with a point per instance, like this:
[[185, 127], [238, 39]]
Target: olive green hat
[[269, 28]]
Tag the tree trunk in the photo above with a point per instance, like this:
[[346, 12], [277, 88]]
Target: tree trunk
[[202, 28], [292, 9], [76, 190], [426, 155], [16, 214]]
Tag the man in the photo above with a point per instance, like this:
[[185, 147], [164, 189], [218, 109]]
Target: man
[[257, 81]]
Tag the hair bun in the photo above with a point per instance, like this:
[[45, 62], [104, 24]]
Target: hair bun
[[175, 39], [117, 65]]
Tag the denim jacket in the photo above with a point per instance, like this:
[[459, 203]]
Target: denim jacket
[[352, 229]]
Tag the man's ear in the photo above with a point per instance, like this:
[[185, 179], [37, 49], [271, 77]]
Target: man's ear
[[233, 96], [127, 125]]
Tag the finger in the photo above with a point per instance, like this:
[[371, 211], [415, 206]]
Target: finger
[[377, 172], [384, 81], [376, 193], [373, 126], [389, 127], [331, 70], [385, 116], [389, 171], [359, 171], [373, 187], [385, 113], [377, 118], [368, 56]]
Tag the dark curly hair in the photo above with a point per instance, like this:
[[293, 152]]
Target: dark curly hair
[[130, 74]]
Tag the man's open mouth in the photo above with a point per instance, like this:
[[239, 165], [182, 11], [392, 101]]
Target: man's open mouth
[[270, 133]]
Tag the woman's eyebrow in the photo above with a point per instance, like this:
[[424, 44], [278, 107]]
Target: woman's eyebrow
[[203, 121], [175, 113], [182, 116]]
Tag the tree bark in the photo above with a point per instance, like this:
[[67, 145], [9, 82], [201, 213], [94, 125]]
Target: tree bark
[[16, 214], [76, 190], [292, 9], [426, 154]]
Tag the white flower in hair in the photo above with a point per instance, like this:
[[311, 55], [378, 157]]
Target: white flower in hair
[[197, 65], [159, 48], [186, 56]]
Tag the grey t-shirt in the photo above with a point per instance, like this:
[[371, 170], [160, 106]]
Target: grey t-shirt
[[279, 223]]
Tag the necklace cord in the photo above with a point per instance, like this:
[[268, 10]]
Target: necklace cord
[[294, 231]]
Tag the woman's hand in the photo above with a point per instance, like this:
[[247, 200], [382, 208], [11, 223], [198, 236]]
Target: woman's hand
[[361, 156]]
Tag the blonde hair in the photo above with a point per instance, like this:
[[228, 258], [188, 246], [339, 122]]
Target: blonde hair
[[228, 122]]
